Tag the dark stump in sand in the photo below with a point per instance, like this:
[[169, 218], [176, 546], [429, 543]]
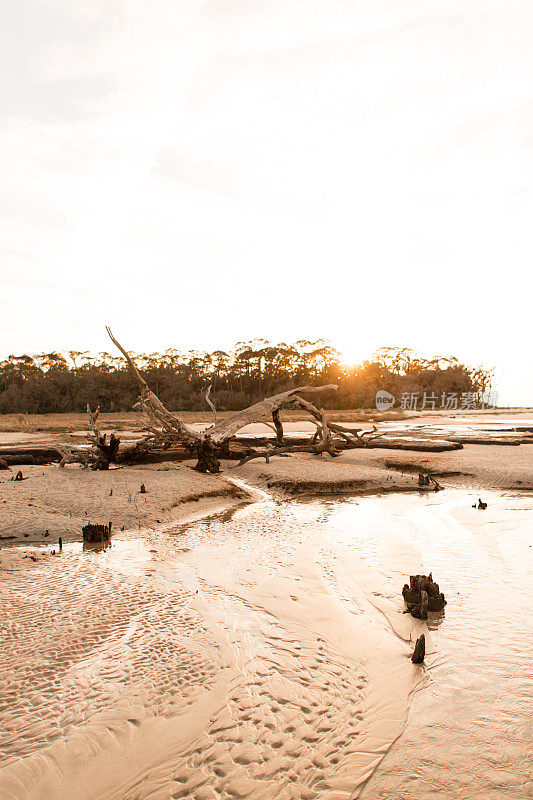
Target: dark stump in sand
[[207, 459], [426, 480], [420, 650], [96, 533], [423, 595], [107, 451]]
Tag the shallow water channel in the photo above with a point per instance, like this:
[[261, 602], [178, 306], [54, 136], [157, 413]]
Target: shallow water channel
[[264, 654]]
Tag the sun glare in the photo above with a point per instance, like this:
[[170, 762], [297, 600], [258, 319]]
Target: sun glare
[[350, 357]]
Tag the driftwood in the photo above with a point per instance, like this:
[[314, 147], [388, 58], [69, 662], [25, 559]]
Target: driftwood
[[167, 437], [278, 427], [105, 453], [21, 456], [420, 650], [101, 453], [167, 430], [427, 480], [422, 595], [170, 438], [211, 404]]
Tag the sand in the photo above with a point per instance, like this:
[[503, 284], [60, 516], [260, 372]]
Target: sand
[[265, 655], [60, 501], [63, 500], [262, 653], [377, 471]]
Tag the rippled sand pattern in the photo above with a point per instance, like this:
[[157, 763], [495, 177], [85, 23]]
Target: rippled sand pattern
[[287, 722], [262, 655], [84, 640]]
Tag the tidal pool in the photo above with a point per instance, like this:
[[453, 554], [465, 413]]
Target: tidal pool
[[264, 654]]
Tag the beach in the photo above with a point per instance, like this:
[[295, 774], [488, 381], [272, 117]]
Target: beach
[[243, 635]]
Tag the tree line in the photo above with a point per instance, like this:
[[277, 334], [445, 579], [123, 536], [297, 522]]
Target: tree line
[[60, 382]]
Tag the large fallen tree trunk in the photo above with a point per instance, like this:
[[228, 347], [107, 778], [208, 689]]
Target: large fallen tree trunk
[[421, 445], [168, 437], [166, 431], [19, 456], [144, 451]]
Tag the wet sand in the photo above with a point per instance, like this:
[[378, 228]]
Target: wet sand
[[62, 500], [264, 654]]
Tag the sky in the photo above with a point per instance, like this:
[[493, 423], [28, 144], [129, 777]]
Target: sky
[[201, 172]]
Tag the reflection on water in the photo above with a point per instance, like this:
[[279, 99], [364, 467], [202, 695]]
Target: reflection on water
[[264, 653], [96, 547], [469, 732]]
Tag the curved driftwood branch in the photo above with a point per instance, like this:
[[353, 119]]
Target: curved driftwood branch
[[93, 416], [131, 363], [256, 413], [278, 427], [104, 452], [172, 426], [353, 436], [211, 404]]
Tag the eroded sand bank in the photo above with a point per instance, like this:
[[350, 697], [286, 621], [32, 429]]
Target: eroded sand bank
[[62, 500], [375, 471]]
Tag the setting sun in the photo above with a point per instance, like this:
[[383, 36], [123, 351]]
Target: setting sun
[[351, 356]]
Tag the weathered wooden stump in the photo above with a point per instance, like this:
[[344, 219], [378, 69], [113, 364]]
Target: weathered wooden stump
[[423, 595], [207, 460], [427, 480], [419, 652], [107, 452], [96, 533]]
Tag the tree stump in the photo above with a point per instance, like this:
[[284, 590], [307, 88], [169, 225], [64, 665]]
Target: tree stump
[[420, 650], [207, 460], [107, 453], [96, 533], [423, 595]]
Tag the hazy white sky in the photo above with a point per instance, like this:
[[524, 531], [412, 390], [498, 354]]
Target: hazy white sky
[[198, 172]]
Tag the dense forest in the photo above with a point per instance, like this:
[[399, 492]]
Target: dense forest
[[54, 382]]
